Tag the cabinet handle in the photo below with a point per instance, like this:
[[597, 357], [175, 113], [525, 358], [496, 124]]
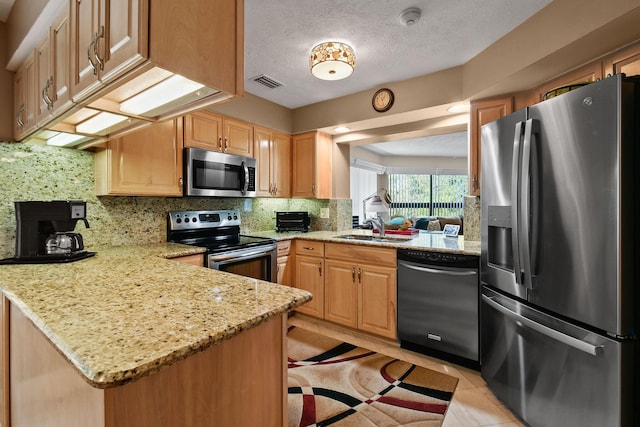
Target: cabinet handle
[[95, 48], [220, 143], [275, 188], [320, 269], [89, 49], [308, 248], [353, 274], [45, 94], [180, 181], [313, 189], [19, 116], [359, 275], [226, 144]]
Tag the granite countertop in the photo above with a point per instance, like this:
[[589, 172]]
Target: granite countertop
[[127, 312], [423, 240]]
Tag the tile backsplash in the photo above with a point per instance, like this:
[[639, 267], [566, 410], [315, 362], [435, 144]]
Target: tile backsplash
[[36, 172]]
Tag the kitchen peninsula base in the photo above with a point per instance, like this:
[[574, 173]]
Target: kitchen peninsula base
[[240, 381]]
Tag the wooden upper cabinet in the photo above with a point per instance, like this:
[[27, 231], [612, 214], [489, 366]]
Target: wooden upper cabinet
[[237, 137], [625, 61], [107, 39], [52, 57], [312, 165], [483, 112], [203, 130], [273, 152], [147, 162], [210, 131], [24, 98]]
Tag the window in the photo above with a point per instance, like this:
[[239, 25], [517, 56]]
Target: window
[[427, 195]]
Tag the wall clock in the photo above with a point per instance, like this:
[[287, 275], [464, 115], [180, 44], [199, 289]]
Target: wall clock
[[382, 100]]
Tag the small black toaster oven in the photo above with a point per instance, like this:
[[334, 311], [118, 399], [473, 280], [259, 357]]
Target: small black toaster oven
[[292, 221]]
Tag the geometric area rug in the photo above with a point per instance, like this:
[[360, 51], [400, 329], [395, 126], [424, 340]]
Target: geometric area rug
[[332, 383]]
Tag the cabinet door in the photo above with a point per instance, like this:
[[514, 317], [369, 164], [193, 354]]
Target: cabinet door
[[238, 137], [24, 98], [60, 35], [147, 162], [341, 293], [262, 153], [43, 82], [203, 130], [281, 165], [84, 30], [377, 300], [310, 277], [483, 112], [304, 165], [122, 41], [284, 271]]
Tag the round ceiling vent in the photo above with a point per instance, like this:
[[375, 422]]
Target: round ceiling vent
[[410, 16]]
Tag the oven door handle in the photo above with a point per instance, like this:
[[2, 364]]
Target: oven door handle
[[249, 254]]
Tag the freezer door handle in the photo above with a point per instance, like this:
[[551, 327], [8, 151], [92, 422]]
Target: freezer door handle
[[528, 188], [515, 202], [576, 343]]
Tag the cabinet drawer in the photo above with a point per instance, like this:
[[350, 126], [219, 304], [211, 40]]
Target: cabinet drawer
[[361, 254], [283, 247], [309, 247]]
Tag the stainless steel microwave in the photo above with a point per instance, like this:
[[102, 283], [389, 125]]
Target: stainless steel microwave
[[211, 173]]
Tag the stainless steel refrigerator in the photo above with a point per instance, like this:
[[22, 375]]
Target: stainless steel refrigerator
[[560, 227]]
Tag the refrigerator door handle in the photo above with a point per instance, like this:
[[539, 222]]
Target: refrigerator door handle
[[524, 235], [576, 343], [515, 203]]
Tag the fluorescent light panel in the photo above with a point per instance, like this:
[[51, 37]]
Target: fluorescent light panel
[[64, 139], [100, 122], [168, 90]]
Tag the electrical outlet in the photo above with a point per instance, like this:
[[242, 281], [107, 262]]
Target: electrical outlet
[[324, 212]]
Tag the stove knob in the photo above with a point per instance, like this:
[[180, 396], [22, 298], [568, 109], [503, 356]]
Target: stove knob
[[229, 217], [186, 220], [194, 219], [178, 221], [235, 217]]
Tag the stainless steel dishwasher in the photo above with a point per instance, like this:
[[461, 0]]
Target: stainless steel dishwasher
[[438, 305]]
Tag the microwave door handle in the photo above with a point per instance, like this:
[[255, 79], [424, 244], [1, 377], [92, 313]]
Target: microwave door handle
[[245, 184], [531, 127], [515, 203]]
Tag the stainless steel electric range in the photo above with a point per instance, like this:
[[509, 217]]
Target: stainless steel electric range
[[226, 249]]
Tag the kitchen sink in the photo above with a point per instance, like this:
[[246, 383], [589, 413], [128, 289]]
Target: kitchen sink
[[369, 238]]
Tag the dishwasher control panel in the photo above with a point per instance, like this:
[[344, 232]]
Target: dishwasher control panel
[[439, 258]]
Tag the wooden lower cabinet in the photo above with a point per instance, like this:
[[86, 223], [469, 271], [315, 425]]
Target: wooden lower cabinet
[[197, 259], [309, 275], [238, 382], [358, 289], [341, 293], [284, 263]]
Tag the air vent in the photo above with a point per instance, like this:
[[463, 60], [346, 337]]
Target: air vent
[[267, 81]]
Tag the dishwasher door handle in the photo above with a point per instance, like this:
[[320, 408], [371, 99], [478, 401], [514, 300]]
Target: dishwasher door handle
[[458, 272]]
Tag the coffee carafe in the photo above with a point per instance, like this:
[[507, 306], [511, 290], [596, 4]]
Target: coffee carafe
[[45, 231]]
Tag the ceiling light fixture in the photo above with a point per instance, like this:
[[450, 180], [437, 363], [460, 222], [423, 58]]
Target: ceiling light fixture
[[332, 61], [410, 16], [341, 129]]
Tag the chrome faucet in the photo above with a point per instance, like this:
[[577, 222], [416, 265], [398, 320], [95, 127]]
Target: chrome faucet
[[376, 222]]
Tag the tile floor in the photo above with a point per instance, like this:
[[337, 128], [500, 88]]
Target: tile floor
[[473, 405]]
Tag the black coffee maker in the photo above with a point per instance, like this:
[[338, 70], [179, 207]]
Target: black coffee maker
[[45, 232]]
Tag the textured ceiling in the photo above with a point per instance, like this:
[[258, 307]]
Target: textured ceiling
[[279, 36]]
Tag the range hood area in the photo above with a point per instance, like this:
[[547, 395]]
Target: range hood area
[[131, 63]]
